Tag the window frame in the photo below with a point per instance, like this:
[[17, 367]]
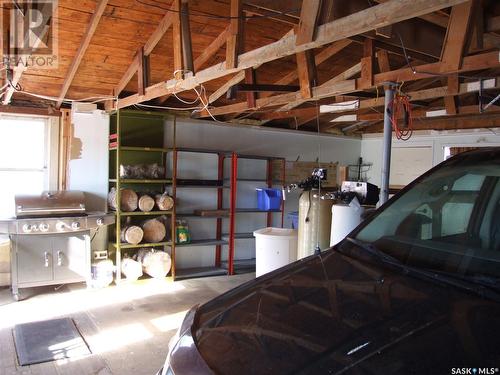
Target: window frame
[[51, 153]]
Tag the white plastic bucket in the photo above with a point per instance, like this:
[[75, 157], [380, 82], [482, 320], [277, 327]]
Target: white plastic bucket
[[274, 248], [345, 217]]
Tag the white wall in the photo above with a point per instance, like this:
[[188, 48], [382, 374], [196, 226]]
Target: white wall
[[433, 142], [250, 140]]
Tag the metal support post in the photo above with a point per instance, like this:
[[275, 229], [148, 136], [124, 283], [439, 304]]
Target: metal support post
[[386, 148]]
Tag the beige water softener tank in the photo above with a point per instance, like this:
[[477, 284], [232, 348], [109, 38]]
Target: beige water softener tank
[[314, 214]]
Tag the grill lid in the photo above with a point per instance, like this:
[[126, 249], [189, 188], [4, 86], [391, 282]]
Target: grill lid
[[61, 203]]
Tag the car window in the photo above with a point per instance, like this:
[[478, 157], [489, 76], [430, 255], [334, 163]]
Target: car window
[[447, 221]]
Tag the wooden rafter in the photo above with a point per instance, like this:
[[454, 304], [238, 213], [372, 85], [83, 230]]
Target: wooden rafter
[[237, 78], [87, 37], [328, 89], [375, 17], [367, 64], [384, 64], [427, 94], [234, 42], [456, 36], [211, 49], [206, 55], [306, 68], [453, 85], [250, 79], [453, 122], [308, 17], [148, 48]]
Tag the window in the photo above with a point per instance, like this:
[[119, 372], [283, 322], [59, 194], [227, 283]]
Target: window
[[449, 220], [24, 158]]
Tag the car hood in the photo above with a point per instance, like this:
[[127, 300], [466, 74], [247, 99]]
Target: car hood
[[333, 313]]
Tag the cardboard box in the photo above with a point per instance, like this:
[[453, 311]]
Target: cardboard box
[[296, 171]]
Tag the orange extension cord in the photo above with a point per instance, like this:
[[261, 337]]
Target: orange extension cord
[[400, 105]]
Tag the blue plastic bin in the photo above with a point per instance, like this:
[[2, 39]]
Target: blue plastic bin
[[294, 216], [269, 199]]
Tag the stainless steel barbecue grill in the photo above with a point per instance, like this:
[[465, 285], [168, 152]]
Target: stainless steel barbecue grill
[[50, 238]]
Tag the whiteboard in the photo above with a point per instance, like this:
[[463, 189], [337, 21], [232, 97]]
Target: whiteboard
[[408, 163]]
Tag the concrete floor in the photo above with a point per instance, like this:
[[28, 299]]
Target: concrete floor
[[127, 327]]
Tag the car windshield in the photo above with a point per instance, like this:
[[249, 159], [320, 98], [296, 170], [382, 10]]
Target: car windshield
[[448, 221]]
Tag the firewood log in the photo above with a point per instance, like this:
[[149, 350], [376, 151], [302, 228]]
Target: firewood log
[[132, 234], [154, 230], [146, 203], [128, 200], [164, 202]]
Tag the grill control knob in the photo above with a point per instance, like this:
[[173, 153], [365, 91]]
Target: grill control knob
[[75, 225], [100, 221], [44, 227], [60, 226], [27, 228]]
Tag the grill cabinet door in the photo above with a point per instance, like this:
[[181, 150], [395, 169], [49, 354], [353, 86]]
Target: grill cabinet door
[[34, 258], [71, 257]]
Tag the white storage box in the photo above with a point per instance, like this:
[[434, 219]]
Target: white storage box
[[274, 248]]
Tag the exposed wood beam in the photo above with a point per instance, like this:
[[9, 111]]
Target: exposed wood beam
[[427, 94], [439, 19], [142, 70], [307, 24], [456, 36], [320, 58], [187, 50], [211, 49], [483, 121], [234, 42], [470, 63], [149, 46], [21, 67], [367, 63], [177, 40], [422, 113], [250, 80], [264, 87], [160, 30], [299, 112], [131, 70], [384, 64], [207, 54], [39, 111], [306, 69], [87, 37], [453, 89], [240, 76], [357, 23], [328, 89]]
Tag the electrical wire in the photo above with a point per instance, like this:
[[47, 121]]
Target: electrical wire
[[200, 13], [401, 105]]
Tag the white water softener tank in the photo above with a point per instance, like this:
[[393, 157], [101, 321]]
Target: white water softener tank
[[345, 217], [314, 223]]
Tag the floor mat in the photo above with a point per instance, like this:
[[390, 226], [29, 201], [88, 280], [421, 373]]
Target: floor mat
[[48, 340]]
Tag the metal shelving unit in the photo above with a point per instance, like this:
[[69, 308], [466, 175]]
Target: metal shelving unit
[[230, 265], [248, 265], [217, 242], [135, 138]]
